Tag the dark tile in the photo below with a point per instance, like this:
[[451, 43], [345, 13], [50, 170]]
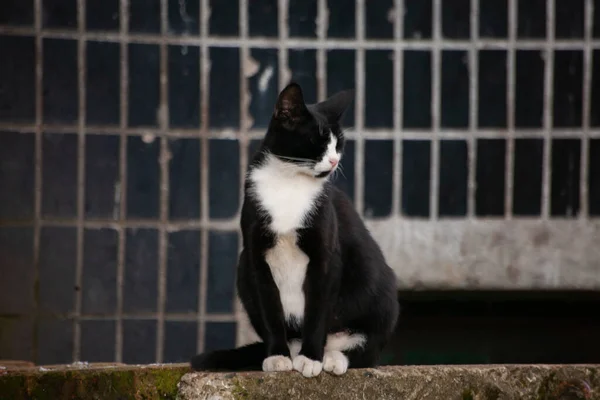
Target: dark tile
[[102, 80], [144, 16], [16, 287], [594, 178], [416, 100], [342, 19], [59, 175], [224, 17], [140, 286], [378, 173], [184, 86], [341, 76], [453, 173], [568, 88], [183, 17], [183, 271], [102, 15], [379, 89], [17, 175], [17, 338], [181, 339], [531, 16], [379, 19], [184, 179], [493, 19], [224, 107], [263, 86], [59, 14], [527, 181], [222, 262], [99, 291], [566, 169], [98, 341], [224, 178], [344, 179], [303, 65], [143, 85], [529, 97], [55, 341], [455, 89], [416, 177], [456, 19], [60, 93], [262, 18], [139, 341], [417, 19], [58, 259], [492, 89], [17, 86], [143, 177], [595, 89], [102, 181], [219, 335], [489, 177], [16, 12], [596, 19], [302, 20], [569, 18]]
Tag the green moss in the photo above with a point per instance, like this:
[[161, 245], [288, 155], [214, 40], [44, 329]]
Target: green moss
[[467, 394], [164, 382], [12, 386]]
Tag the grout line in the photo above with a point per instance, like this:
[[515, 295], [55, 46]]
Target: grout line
[[226, 225], [510, 109], [359, 109], [435, 108], [322, 23], [183, 316], [122, 186], [586, 103], [204, 154], [81, 69], [281, 43], [300, 43], [370, 134], [548, 107], [473, 111], [164, 158], [398, 91], [39, 72]]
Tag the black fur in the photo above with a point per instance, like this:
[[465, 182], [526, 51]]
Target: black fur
[[348, 285]]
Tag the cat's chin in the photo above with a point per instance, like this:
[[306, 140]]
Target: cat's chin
[[323, 174]]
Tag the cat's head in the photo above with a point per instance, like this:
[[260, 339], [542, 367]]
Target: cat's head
[[308, 138]]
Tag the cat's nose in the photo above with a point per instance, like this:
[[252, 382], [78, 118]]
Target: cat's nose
[[333, 162]]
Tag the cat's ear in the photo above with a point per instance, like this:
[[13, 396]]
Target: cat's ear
[[334, 107], [290, 107]]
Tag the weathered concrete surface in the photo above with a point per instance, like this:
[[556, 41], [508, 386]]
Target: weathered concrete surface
[[540, 382], [90, 381]]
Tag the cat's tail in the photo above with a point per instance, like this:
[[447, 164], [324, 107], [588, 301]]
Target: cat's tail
[[245, 358]]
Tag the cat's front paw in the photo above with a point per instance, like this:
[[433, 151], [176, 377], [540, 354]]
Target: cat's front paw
[[277, 364], [335, 362], [309, 368]]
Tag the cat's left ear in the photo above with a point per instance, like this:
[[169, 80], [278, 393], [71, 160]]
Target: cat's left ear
[[290, 108], [334, 107]]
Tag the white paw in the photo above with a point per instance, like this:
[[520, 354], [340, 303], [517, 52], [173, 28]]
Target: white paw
[[335, 362], [307, 367], [277, 363]]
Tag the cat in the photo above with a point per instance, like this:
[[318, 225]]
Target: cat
[[313, 281]]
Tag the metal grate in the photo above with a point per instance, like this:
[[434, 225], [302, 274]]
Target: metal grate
[[437, 245]]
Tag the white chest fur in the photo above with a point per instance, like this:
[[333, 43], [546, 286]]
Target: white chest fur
[[288, 266]]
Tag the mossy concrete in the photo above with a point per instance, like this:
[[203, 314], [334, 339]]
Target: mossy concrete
[[85, 381], [503, 382]]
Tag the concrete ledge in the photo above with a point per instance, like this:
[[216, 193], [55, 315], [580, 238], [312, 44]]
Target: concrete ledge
[[539, 382]]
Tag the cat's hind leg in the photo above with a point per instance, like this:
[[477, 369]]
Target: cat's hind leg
[[350, 350]]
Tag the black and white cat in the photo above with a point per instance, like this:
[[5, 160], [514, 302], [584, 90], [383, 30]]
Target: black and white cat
[[313, 281]]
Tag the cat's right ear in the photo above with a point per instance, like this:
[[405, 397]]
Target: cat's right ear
[[290, 107]]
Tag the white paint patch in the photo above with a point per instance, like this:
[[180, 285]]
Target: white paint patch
[[277, 363], [286, 192], [330, 154], [265, 78], [288, 266]]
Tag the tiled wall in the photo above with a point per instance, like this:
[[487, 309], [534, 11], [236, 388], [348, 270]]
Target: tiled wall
[[126, 127]]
